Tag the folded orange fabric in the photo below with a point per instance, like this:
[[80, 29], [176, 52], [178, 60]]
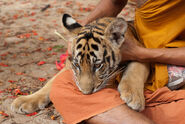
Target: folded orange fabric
[[162, 106], [158, 24], [74, 106]]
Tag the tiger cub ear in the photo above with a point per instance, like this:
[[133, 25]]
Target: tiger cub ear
[[115, 32], [70, 24]]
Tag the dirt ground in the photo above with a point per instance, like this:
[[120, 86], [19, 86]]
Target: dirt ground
[[27, 39]]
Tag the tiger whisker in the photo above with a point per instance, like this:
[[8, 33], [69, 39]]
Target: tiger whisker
[[116, 72]]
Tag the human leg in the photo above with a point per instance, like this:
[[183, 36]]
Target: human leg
[[120, 115], [103, 107]]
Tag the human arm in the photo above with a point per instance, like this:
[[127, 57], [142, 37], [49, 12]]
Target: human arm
[[131, 51], [175, 56], [108, 8]]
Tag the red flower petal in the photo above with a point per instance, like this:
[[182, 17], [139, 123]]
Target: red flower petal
[[42, 79], [11, 81], [34, 33], [41, 63], [54, 53], [31, 114], [19, 73], [41, 38], [17, 91], [63, 57], [4, 65], [4, 54], [15, 16], [1, 91], [27, 35], [49, 48], [4, 114], [32, 20], [33, 13], [20, 36]]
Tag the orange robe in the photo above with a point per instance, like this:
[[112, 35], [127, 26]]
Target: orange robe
[[159, 24], [162, 106]]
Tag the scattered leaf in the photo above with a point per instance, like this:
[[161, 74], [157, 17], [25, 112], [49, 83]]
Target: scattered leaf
[[58, 48], [46, 7]]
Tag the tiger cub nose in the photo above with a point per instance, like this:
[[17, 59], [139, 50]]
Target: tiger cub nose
[[87, 92]]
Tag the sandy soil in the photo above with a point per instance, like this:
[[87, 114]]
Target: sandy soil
[[26, 38]]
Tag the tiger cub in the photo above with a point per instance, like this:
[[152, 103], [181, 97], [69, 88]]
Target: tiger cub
[[96, 61]]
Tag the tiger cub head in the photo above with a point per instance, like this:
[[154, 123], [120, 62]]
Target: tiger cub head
[[95, 51]]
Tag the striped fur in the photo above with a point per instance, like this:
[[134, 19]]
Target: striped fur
[[95, 55]]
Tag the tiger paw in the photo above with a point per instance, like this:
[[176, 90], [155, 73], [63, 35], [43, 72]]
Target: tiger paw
[[133, 97], [29, 104]]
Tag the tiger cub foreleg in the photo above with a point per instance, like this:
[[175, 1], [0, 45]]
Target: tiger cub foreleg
[[36, 101], [131, 86]]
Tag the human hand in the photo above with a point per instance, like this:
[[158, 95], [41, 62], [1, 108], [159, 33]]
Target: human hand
[[130, 49]]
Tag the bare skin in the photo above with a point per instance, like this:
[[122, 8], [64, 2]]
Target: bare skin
[[174, 56], [120, 115]]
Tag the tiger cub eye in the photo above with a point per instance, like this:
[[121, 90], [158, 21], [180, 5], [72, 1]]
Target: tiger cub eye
[[76, 65], [97, 65]]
